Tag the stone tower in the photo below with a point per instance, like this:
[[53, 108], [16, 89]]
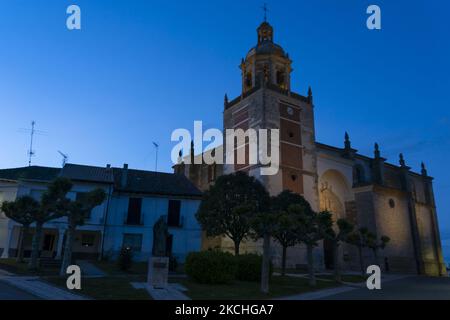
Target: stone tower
[[267, 102]]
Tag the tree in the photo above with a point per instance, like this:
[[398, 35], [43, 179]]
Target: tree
[[313, 227], [287, 223], [76, 212], [344, 229], [23, 211], [360, 239], [374, 244], [227, 207], [52, 206], [264, 224]]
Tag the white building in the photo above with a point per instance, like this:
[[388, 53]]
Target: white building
[[135, 201]]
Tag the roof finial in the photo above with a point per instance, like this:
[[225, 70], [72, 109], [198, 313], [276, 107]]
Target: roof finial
[[310, 94], [402, 160], [347, 141], [377, 151], [265, 11], [424, 170], [225, 101]]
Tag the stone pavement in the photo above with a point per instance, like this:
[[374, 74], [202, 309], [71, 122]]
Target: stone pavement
[[40, 288], [174, 291]]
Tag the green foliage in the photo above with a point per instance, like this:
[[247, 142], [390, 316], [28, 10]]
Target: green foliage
[[211, 267], [22, 211], [249, 267], [125, 260], [228, 206]]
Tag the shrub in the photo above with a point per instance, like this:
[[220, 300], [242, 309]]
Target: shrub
[[211, 267], [249, 267], [125, 260]]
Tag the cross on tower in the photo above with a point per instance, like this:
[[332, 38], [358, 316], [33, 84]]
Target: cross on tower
[[265, 11]]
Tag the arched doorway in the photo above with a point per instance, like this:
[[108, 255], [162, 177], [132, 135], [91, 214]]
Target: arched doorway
[[333, 193]]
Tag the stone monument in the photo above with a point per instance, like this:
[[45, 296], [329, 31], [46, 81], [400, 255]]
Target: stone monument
[[158, 266]]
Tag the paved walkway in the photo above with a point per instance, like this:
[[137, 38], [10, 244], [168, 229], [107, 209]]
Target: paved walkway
[[39, 288], [339, 291], [410, 288], [9, 292], [89, 270]]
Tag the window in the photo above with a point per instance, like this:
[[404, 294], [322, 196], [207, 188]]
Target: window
[[134, 211], [281, 77], [87, 240], [169, 245], [173, 217], [392, 203], [132, 241]]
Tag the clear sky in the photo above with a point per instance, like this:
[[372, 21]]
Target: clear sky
[[140, 69]]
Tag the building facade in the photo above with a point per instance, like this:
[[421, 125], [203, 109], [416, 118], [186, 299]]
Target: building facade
[[390, 200], [135, 200]]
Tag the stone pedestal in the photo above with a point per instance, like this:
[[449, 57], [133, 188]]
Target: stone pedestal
[[158, 272]]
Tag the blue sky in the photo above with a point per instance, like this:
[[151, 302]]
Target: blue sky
[[140, 69]]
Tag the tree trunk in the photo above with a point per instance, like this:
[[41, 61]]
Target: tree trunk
[[283, 262], [21, 244], [361, 260], [265, 268], [312, 276], [35, 247], [336, 262], [375, 254], [67, 257], [236, 247]]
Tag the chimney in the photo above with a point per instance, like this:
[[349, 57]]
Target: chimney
[[108, 166], [123, 183]]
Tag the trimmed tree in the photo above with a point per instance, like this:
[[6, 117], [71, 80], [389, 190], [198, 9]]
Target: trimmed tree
[[287, 222], [228, 206], [313, 227], [344, 229], [52, 206], [374, 244], [360, 238], [76, 213], [264, 224], [23, 211]]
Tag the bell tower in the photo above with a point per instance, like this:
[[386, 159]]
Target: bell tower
[[266, 63], [267, 102]]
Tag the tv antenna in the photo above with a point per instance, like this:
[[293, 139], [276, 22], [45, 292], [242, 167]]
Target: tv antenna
[[32, 133], [156, 157], [65, 157]]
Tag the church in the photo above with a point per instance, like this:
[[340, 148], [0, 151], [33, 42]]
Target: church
[[390, 200]]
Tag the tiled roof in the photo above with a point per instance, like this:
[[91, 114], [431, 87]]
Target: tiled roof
[[35, 173], [88, 173], [155, 183]]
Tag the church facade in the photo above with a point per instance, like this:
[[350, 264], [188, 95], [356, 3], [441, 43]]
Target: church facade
[[390, 200]]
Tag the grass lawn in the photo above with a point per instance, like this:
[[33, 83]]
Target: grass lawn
[[279, 287], [11, 265], [137, 268], [107, 288], [353, 278]]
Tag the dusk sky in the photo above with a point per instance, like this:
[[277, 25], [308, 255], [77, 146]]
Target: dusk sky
[[137, 70]]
